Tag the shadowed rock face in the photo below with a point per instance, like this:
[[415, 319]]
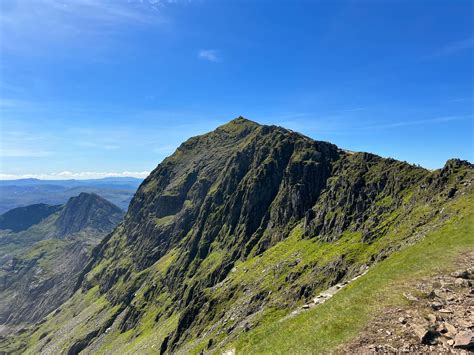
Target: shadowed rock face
[[33, 286], [231, 195], [22, 218], [87, 211], [243, 179]]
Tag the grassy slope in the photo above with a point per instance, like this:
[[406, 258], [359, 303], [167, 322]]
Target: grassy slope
[[340, 319], [317, 330]]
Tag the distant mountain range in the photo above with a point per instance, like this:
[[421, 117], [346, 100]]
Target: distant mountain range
[[25, 192], [115, 181]]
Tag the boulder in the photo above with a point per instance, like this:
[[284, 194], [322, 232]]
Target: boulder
[[436, 306], [410, 297], [464, 340], [431, 318], [426, 335], [462, 282], [451, 330], [464, 274]]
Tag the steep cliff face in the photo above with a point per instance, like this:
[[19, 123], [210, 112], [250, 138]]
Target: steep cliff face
[[39, 272], [36, 282], [239, 225], [87, 211], [240, 180]]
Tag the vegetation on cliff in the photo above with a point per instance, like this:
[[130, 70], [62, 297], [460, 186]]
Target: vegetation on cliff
[[241, 226]]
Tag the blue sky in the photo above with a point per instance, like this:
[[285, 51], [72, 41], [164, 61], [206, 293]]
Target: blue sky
[[90, 88]]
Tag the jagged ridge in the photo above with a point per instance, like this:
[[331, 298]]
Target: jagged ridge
[[87, 211], [231, 198]]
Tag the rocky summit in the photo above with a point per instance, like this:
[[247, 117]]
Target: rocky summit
[[87, 211], [229, 241]]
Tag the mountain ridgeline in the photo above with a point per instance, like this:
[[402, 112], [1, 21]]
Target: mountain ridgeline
[[40, 265], [26, 192], [87, 211], [239, 226], [22, 218]]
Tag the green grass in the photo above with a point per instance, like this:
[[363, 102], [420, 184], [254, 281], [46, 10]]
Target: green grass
[[164, 220], [315, 260], [270, 269], [340, 319]]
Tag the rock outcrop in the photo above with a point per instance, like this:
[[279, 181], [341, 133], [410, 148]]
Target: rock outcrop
[[87, 211]]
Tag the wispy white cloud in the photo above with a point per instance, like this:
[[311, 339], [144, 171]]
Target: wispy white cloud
[[386, 125], [98, 145], [41, 24], [211, 55], [461, 99], [345, 124], [354, 109], [64, 175], [19, 143], [24, 153], [455, 47]]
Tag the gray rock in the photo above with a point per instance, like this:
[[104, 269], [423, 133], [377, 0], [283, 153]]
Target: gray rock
[[431, 318], [451, 330], [425, 335], [410, 297], [464, 274], [462, 282], [464, 340]]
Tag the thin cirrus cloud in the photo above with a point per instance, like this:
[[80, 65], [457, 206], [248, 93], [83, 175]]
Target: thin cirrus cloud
[[417, 122], [211, 55], [27, 24], [98, 145], [24, 153], [76, 175], [455, 47]]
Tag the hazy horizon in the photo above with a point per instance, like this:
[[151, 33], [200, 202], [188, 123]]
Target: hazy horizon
[[70, 175]]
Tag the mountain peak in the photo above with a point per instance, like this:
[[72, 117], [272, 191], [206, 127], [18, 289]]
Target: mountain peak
[[243, 120], [86, 196], [87, 211], [239, 123]]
